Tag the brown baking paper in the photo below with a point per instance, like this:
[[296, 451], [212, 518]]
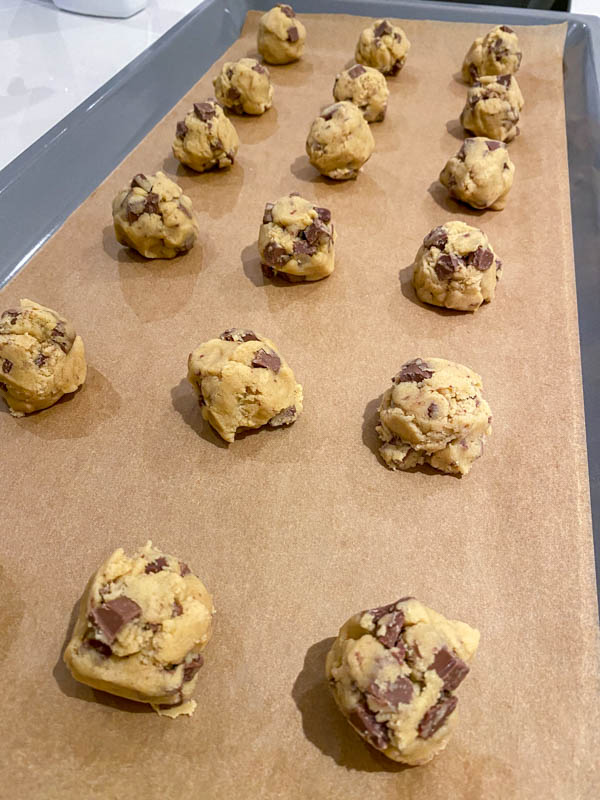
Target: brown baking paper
[[295, 529]]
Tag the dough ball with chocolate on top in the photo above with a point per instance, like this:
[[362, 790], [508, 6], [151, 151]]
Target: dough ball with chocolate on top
[[480, 174], [296, 240], [41, 358], [366, 88], [243, 381], [456, 267], [154, 217], [493, 107], [496, 53], [394, 672], [339, 141], [434, 413], [281, 35], [383, 46], [143, 623], [244, 87], [206, 138]]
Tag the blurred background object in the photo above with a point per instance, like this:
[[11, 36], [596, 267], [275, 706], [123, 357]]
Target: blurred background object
[[102, 8]]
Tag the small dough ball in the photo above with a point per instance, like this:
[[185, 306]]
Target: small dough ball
[[366, 88], [244, 86], [480, 174], [383, 46], [394, 671], [281, 35], [456, 267], [296, 240], [41, 358], [242, 381], [493, 108], [434, 414], [154, 217], [206, 138], [339, 141], [496, 53], [143, 623]]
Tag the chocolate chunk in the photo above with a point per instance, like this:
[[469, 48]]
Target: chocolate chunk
[[389, 629], [399, 651], [60, 337], [152, 626], [184, 569], [233, 93], [275, 255], [151, 206], [356, 70], [285, 417], [12, 314], [504, 80], [229, 73], [506, 29], [432, 410], [181, 130], [391, 695], [268, 215], [473, 72], [111, 616], [231, 157], [156, 566], [451, 669], [436, 238], [238, 335], [446, 265], [259, 68], [136, 205], [204, 111], [192, 667], [177, 609], [142, 181], [324, 214], [329, 111], [7, 366], [216, 145], [100, 647], [292, 34], [366, 722], [383, 28], [184, 210], [317, 233], [462, 153], [268, 271], [303, 248], [287, 10], [435, 717], [413, 372], [492, 144], [266, 360], [481, 259], [3, 386]]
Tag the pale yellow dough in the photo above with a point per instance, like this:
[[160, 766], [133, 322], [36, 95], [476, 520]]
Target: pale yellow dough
[[244, 87], [206, 138], [281, 35], [366, 87], [480, 174], [143, 623], [383, 46], [393, 672], [493, 108], [41, 358], [496, 53], [339, 141]]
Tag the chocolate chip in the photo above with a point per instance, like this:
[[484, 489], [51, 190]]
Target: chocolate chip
[[504, 80], [446, 265], [473, 71], [40, 360], [7, 366], [391, 695], [151, 206], [183, 209], [229, 73], [239, 335], [60, 337], [317, 233], [435, 717], [329, 111], [493, 145], [184, 569], [356, 70], [216, 144], [462, 153], [142, 181], [233, 93], [292, 34], [204, 111], [177, 609], [303, 248], [268, 271], [287, 10], [111, 616], [259, 68], [432, 410], [413, 372], [324, 214], [395, 68], [481, 259], [156, 566], [383, 28], [192, 667], [451, 669], [436, 238], [231, 157], [268, 215], [12, 314], [389, 628], [152, 626], [266, 360], [135, 207], [3, 386], [366, 722], [100, 647], [181, 130], [506, 29], [398, 37], [275, 255], [285, 417]]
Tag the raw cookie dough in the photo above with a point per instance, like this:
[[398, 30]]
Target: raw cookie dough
[[143, 622], [394, 671], [366, 88], [206, 138], [456, 267], [493, 108], [480, 174], [496, 53], [296, 240], [281, 35], [244, 86], [154, 217], [41, 358], [434, 414], [339, 141], [242, 381], [383, 46]]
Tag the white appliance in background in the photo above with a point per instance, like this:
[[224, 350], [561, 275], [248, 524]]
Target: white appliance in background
[[102, 8]]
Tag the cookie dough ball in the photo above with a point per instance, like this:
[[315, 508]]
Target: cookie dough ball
[[143, 623], [339, 141], [493, 108], [383, 46], [296, 240], [496, 53], [243, 381], [366, 88], [456, 267], [480, 174], [206, 138], [244, 87], [394, 672], [41, 358], [154, 217], [281, 35], [434, 414]]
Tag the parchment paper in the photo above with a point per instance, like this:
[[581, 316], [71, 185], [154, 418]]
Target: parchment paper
[[294, 530]]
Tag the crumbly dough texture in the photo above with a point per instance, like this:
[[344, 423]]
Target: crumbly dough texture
[[366, 87], [493, 108], [154, 217], [394, 671], [383, 46], [281, 35], [143, 623], [41, 358], [496, 53], [480, 174], [434, 413], [206, 138], [296, 240], [244, 86], [243, 381], [456, 267], [339, 141]]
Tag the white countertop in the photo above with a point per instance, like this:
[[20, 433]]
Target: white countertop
[[51, 60]]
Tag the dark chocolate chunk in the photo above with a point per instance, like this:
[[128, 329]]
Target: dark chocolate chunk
[[204, 111], [181, 130], [238, 335], [304, 248], [233, 93], [285, 417], [292, 34], [317, 233], [413, 371], [462, 153], [473, 71], [275, 255], [151, 206], [6, 366], [268, 271], [330, 111], [229, 73], [266, 360], [391, 695], [259, 68], [481, 259], [152, 626], [192, 667], [435, 717], [366, 722], [451, 669], [184, 210], [12, 314], [432, 410], [177, 609], [231, 157], [3, 386], [142, 181], [324, 214], [287, 10], [356, 70], [156, 566], [504, 80], [492, 144], [60, 337], [446, 265], [436, 238], [506, 29], [398, 37], [100, 647], [268, 215], [383, 28], [216, 145], [111, 616], [184, 569], [389, 629], [135, 207]]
